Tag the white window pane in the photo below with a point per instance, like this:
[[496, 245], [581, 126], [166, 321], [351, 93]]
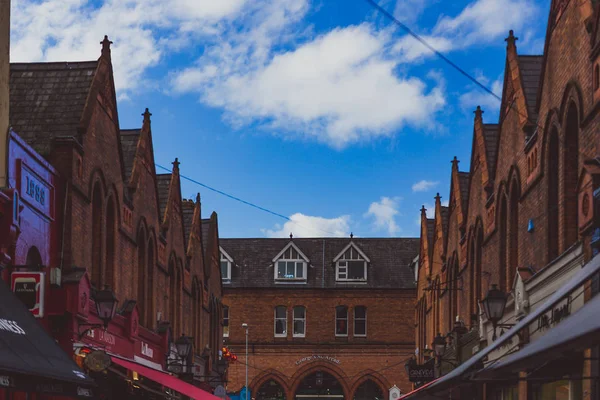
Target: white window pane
[[281, 269], [299, 312], [291, 269], [356, 270], [299, 327], [224, 269], [360, 327], [360, 312], [280, 312], [299, 270], [280, 326]]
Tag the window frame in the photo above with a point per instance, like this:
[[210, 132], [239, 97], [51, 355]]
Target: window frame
[[225, 313], [336, 321], [275, 319], [295, 278], [294, 319], [225, 258], [354, 319], [341, 258], [283, 256]]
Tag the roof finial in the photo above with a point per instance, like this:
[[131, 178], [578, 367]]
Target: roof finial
[[455, 162], [511, 39], [291, 236], [176, 164], [478, 112], [106, 46], [423, 210], [437, 197], [198, 198], [351, 235], [147, 114]]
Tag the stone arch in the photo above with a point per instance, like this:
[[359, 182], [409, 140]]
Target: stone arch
[[571, 94], [34, 257], [374, 376], [512, 240], [550, 166], [267, 375], [312, 368], [569, 156], [502, 215], [96, 177]]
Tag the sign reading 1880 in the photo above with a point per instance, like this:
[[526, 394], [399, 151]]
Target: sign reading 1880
[[35, 191]]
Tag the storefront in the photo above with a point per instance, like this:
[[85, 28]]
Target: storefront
[[30, 360]]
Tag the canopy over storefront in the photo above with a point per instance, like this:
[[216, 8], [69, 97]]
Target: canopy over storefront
[[29, 358]]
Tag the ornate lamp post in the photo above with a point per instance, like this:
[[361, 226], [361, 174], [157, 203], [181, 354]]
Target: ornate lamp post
[[493, 306]]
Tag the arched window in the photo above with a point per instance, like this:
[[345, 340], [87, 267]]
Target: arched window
[[150, 316], [96, 266], [280, 321], [552, 164], [478, 267], [111, 227], [34, 258], [454, 292], [173, 296], [570, 177], [270, 390], [513, 235], [368, 390], [141, 274], [502, 232]]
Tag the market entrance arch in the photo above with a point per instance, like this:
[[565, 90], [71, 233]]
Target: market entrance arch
[[270, 390], [319, 385]]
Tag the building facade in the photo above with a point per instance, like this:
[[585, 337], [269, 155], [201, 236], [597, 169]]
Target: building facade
[[328, 317], [522, 215], [91, 213]]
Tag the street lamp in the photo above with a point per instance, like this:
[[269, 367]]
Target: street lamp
[[245, 326], [183, 346], [493, 306], [106, 307], [439, 346]]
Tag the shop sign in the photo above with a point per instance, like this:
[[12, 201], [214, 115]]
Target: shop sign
[[421, 373], [29, 288], [103, 336], [554, 316], [9, 325], [97, 361], [318, 357], [35, 191]]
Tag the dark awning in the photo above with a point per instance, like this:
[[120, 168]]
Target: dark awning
[[578, 332], [460, 373], [30, 358]]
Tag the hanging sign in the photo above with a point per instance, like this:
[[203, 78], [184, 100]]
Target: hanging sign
[[29, 288], [421, 373], [97, 361]]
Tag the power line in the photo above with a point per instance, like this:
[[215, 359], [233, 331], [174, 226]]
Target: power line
[[246, 202]]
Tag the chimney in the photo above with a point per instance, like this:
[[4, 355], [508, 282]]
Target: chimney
[[4, 76]]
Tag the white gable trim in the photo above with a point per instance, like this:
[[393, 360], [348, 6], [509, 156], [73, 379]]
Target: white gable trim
[[278, 256], [355, 247], [227, 256]]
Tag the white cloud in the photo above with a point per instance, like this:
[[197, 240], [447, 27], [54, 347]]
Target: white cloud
[[480, 23], [475, 96], [338, 88], [308, 226], [384, 213], [424, 185], [142, 30], [409, 11]]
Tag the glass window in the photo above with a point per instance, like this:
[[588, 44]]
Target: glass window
[[280, 321], [559, 390], [225, 321], [225, 268], [351, 266], [341, 321], [290, 269], [299, 321], [360, 321]]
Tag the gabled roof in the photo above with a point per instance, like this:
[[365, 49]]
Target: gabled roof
[[353, 246], [491, 133], [531, 71], [47, 100], [129, 141], [163, 182], [390, 260], [463, 181], [227, 256], [205, 235], [187, 209], [291, 244], [430, 229]]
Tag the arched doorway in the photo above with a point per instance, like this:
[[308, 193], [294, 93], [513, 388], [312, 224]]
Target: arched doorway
[[368, 390], [319, 385], [270, 390]]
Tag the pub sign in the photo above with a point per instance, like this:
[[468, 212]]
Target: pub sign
[[29, 288], [421, 373]]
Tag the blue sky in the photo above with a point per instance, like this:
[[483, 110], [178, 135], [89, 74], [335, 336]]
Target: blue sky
[[322, 111]]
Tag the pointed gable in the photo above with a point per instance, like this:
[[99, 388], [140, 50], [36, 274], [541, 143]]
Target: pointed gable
[[440, 229], [163, 181], [351, 252], [210, 241], [143, 158], [129, 140], [531, 71], [480, 157], [173, 206], [459, 194], [426, 242], [291, 252]]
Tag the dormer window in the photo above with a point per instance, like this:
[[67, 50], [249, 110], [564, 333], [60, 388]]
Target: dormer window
[[226, 262], [290, 264], [351, 265]]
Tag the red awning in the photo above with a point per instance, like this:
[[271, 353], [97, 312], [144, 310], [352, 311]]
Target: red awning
[[414, 392], [166, 380]]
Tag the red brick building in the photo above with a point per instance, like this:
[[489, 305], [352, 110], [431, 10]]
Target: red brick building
[[108, 220], [521, 215], [325, 316]]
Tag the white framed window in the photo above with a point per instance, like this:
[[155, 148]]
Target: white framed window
[[299, 321], [280, 321], [226, 262], [351, 265], [225, 321], [341, 321], [360, 321], [290, 264]]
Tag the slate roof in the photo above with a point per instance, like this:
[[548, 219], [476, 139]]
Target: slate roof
[[47, 100], [490, 135], [188, 218], [389, 267], [129, 142], [531, 70], [445, 211], [163, 182], [463, 181]]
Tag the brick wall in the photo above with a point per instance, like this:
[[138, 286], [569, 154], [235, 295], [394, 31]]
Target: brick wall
[[380, 355]]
